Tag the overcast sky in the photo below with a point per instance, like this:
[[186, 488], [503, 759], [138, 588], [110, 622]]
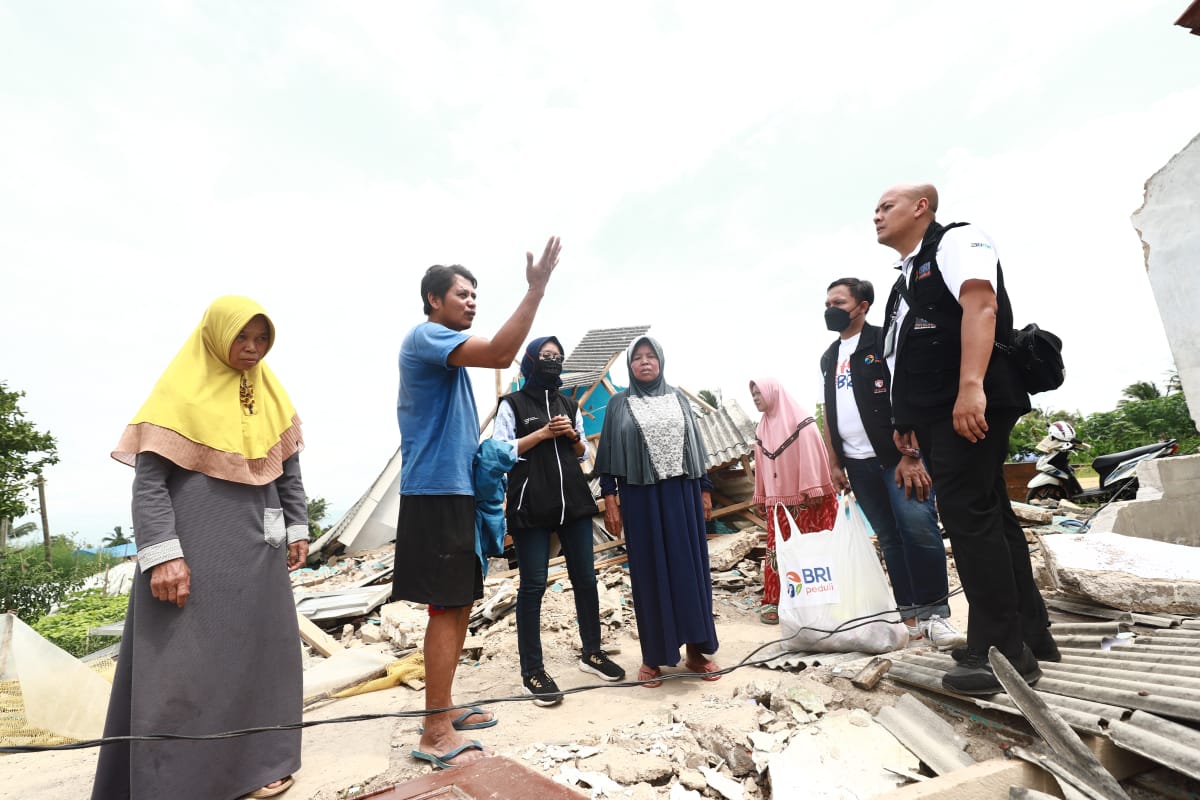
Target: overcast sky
[[711, 167]]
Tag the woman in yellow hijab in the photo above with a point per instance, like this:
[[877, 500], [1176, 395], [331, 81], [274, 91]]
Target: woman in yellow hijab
[[220, 517]]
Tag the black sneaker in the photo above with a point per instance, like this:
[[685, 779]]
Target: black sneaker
[[600, 665], [974, 674], [1045, 649], [543, 688]]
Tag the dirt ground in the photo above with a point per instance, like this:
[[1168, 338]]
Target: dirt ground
[[623, 725]]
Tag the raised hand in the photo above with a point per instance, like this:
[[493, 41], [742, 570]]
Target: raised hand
[[538, 275]]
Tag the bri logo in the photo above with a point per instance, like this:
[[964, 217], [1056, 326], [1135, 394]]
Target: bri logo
[[923, 271], [809, 580]]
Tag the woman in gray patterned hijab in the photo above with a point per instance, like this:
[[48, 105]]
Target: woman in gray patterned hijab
[[651, 460]]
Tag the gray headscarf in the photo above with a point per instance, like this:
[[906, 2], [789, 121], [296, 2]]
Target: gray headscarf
[[626, 452]]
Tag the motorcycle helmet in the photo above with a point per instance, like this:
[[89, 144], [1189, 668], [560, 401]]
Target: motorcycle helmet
[[1062, 431]]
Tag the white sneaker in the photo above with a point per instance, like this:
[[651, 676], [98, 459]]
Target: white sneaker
[[940, 633]]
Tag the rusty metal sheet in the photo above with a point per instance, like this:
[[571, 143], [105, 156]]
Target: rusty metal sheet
[[493, 778]]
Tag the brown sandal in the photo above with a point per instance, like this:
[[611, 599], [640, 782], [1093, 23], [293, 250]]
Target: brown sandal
[[705, 670], [274, 791], [647, 676]]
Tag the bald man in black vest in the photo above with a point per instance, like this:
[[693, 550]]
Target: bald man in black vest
[[955, 399]]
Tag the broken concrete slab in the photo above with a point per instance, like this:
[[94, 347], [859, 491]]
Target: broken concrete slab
[[1167, 504], [722, 731], [1033, 514], [345, 668], [845, 754], [629, 768], [1166, 224], [1126, 572], [722, 784], [725, 551]]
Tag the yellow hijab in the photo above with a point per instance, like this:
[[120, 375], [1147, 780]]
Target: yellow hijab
[[207, 416]]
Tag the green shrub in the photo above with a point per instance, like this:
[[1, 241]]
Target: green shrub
[[31, 587], [68, 627]]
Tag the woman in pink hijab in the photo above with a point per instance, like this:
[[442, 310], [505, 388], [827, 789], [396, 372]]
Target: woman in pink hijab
[[791, 469]]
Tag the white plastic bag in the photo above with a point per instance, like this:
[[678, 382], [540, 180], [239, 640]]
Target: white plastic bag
[[832, 581]]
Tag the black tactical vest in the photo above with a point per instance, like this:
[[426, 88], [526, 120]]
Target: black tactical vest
[[929, 344]]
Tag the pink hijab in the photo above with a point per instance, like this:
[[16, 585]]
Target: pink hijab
[[800, 470]]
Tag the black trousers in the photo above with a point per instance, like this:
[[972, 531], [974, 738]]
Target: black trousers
[[990, 552]]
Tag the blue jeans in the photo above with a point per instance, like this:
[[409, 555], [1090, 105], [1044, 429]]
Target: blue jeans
[[533, 554], [908, 535]]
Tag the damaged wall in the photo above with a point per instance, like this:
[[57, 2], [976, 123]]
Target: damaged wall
[[1166, 223]]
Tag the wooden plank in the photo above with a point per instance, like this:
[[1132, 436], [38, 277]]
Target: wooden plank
[[751, 517], [316, 638], [725, 511], [695, 398], [603, 376], [748, 465]]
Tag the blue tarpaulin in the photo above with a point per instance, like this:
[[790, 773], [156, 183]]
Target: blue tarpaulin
[[120, 551]]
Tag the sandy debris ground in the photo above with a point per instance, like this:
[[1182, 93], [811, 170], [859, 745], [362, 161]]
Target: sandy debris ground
[[681, 735]]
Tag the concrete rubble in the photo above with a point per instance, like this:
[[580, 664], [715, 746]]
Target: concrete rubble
[[775, 735]]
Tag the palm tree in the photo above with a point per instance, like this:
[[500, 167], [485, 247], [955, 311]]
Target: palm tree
[[710, 398], [24, 529], [1142, 390], [117, 539]]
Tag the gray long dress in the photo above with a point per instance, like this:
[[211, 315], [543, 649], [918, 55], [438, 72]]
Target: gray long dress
[[230, 659]]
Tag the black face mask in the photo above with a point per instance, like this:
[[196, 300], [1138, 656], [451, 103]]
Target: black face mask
[[551, 369], [837, 319]]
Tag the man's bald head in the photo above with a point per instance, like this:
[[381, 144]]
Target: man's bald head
[[903, 214], [917, 191]]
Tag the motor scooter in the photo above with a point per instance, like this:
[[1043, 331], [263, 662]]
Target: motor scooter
[[1055, 478]]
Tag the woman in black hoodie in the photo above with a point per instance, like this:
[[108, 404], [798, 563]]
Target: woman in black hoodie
[[547, 493]]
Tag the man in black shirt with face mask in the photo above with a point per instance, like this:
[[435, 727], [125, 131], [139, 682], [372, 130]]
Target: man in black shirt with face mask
[[863, 457]]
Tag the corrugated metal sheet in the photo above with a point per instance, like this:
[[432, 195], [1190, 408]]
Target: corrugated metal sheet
[[728, 434], [374, 512], [573, 380], [1154, 677], [598, 346]]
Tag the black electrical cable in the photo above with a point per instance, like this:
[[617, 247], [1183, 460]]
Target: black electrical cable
[[848, 625]]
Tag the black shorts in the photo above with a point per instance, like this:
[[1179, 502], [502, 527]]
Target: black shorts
[[435, 551]]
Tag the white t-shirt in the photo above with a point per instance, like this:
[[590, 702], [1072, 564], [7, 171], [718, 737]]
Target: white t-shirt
[[855, 443], [965, 253]]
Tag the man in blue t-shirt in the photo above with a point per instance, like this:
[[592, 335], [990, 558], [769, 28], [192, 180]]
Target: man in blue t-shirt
[[439, 433]]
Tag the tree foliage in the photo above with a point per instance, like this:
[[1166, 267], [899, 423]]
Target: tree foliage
[[1140, 422], [318, 507], [1142, 390], [24, 452], [31, 587], [1133, 423], [68, 627], [116, 539]]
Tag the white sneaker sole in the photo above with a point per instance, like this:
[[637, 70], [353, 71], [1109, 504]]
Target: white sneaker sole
[[588, 668], [538, 701]]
